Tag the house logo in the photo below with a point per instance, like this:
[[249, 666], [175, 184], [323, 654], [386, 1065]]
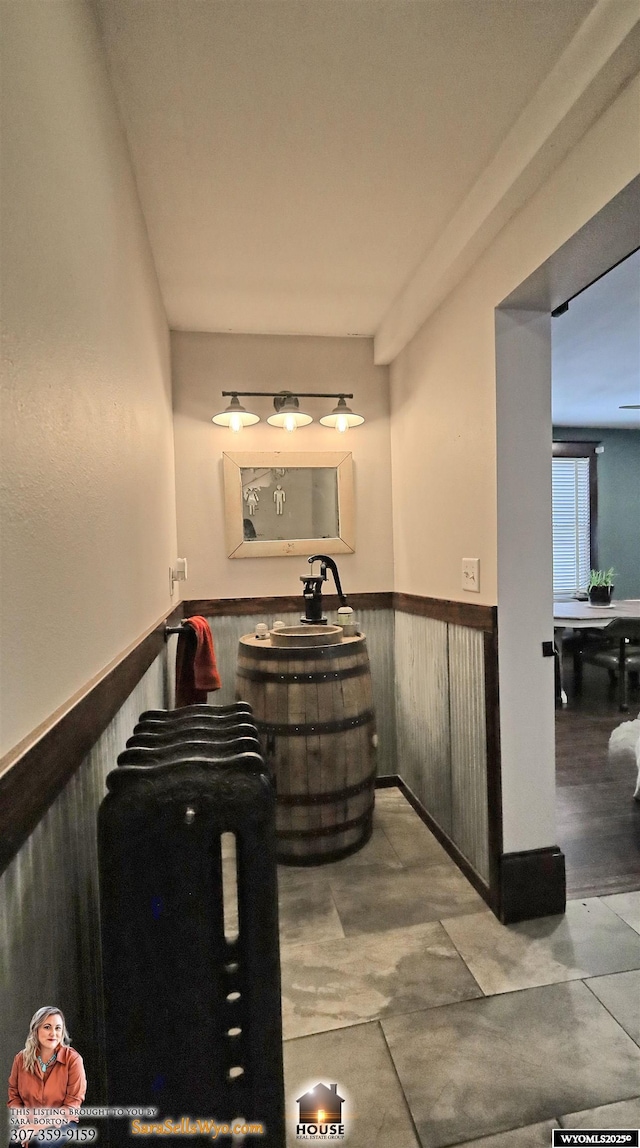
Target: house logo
[[320, 1114]]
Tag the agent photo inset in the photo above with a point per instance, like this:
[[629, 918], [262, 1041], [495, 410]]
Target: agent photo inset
[[46, 1074]]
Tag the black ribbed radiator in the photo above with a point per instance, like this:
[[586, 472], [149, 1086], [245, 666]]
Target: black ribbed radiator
[[189, 913]]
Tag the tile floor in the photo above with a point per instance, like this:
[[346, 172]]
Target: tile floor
[[440, 1025]]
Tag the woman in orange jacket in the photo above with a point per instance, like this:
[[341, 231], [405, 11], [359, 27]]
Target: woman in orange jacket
[[48, 1073]]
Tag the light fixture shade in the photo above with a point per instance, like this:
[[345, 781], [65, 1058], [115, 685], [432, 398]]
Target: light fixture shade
[[341, 417], [287, 413], [235, 416]]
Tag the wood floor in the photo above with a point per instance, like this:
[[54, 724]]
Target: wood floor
[[598, 821]]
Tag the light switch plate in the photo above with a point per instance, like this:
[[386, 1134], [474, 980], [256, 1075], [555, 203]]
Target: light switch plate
[[179, 572], [471, 574]]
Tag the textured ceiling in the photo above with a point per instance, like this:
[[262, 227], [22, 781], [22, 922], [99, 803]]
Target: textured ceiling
[[296, 159]]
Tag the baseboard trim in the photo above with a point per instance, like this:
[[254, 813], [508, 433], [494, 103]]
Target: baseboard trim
[[481, 887], [532, 884]]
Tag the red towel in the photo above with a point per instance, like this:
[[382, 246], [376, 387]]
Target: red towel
[[196, 669]]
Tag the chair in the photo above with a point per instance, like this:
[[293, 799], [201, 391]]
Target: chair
[[616, 650]]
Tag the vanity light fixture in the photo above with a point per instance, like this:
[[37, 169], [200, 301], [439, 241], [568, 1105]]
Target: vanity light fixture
[[342, 417], [287, 410], [235, 416], [287, 413]]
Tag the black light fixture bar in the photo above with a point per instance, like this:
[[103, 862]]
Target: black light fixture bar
[[281, 394]]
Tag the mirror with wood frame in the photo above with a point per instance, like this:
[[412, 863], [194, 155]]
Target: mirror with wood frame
[[280, 503]]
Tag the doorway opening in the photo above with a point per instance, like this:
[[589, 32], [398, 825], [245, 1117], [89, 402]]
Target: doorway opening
[[525, 574], [595, 383]]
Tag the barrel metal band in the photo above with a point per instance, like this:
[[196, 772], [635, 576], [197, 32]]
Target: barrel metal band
[[327, 798], [324, 830], [351, 648], [285, 730], [316, 676]]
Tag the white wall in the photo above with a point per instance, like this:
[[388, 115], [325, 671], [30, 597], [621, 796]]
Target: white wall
[[88, 503], [525, 577], [445, 431], [443, 444], [203, 366]]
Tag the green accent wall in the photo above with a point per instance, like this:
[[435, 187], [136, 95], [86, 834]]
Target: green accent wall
[[618, 501]]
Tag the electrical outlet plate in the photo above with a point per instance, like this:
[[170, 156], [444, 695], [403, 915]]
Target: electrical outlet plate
[[471, 574]]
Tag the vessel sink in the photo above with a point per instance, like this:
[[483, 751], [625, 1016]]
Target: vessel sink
[[306, 636]]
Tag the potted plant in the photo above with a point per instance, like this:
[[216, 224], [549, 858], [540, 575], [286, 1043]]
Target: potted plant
[[600, 587]]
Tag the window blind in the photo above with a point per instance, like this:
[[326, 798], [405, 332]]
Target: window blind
[[571, 525]]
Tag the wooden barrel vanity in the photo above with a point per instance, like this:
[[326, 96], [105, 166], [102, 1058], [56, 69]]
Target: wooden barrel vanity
[[314, 712]]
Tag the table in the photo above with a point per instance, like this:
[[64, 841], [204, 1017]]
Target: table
[[573, 615]]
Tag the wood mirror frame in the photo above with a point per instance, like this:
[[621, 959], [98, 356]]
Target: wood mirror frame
[[239, 547]]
